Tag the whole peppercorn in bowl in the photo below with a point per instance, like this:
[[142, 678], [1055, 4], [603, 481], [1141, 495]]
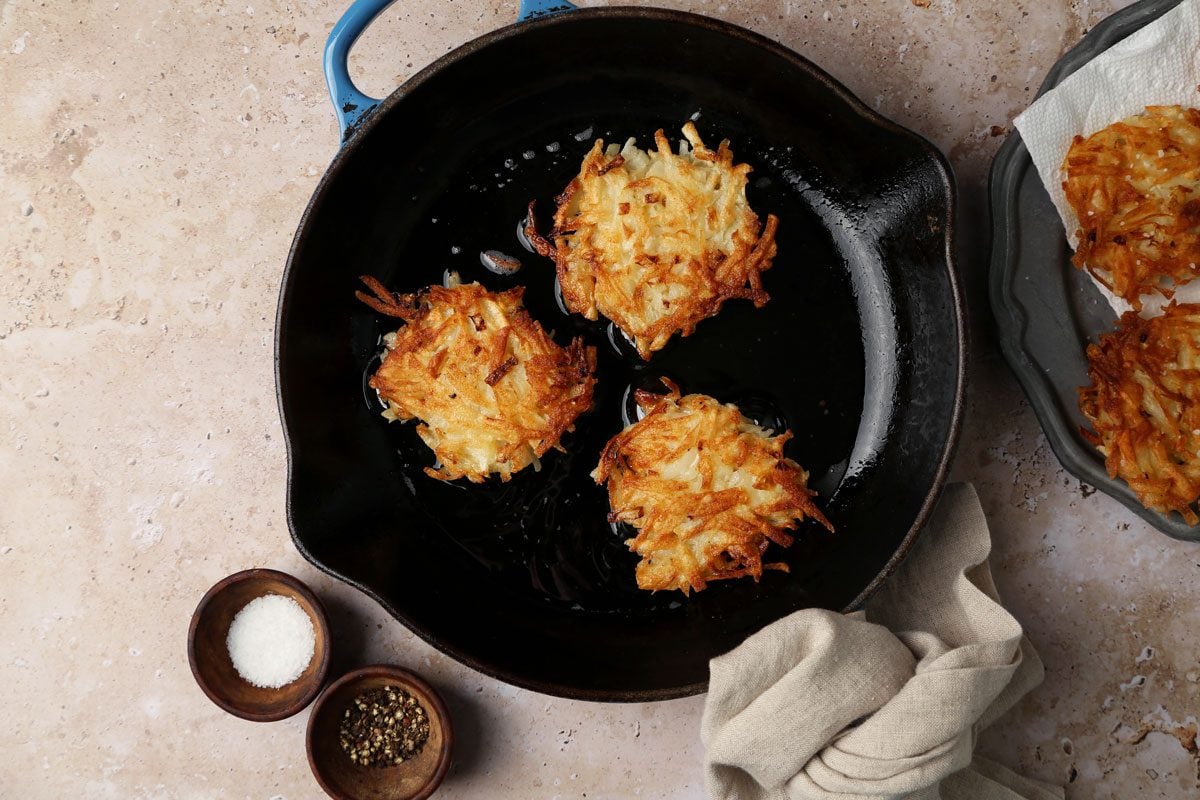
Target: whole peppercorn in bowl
[[383, 727], [379, 732]]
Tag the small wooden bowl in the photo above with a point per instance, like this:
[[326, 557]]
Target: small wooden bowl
[[340, 777], [208, 653]]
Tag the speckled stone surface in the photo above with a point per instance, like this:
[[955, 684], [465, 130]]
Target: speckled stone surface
[[154, 160]]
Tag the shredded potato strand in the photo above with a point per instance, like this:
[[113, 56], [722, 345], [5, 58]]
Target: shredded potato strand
[[492, 390], [706, 489], [1135, 187], [1144, 404], [655, 240]]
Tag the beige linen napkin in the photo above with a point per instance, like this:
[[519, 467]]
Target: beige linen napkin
[[881, 704]]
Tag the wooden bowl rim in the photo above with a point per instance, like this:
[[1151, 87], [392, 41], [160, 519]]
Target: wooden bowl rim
[[322, 632], [401, 676]]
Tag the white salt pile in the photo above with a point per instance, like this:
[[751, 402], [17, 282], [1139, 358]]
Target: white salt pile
[[271, 641]]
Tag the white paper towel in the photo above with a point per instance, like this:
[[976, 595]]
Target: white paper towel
[[1158, 65]]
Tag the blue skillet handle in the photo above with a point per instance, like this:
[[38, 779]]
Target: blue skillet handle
[[532, 9], [349, 104]]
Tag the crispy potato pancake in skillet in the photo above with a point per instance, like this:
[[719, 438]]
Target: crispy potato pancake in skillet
[[706, 488], [1144, 404], [493, 392], [657, 240], [1135, 187]]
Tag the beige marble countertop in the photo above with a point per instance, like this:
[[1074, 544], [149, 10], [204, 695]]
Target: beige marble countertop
[[154, 161]]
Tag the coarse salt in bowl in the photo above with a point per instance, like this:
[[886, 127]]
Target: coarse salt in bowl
[[210, 643], [271, 641]]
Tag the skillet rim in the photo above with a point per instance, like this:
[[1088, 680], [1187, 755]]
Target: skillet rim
[[797, 62]]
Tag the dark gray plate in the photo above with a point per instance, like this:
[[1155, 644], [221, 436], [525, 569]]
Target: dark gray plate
[[1046, 310]]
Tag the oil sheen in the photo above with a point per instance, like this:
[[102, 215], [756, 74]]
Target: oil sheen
[[796, 364]]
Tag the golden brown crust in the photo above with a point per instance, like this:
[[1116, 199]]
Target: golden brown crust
[[492, 390], [706, 489], [1144, 404], [1135, 187], [657, 241]]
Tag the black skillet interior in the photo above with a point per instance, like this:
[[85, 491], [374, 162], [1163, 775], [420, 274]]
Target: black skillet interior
[[859, 351]]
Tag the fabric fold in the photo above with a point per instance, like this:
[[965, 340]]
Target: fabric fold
[[881, 704]]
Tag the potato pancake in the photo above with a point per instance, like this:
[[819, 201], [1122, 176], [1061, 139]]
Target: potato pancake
[[1135, 187], [1144, 404], [656, 241], [493, 392], [706, 489]]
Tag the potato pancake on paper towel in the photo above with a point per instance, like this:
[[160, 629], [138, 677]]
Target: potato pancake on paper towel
[[1135, 187]]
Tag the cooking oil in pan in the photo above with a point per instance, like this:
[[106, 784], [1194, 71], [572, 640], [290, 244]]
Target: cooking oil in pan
[[796, 364]]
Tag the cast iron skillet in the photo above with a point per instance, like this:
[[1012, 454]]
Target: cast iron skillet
[[1046, 310], [860, 351]]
